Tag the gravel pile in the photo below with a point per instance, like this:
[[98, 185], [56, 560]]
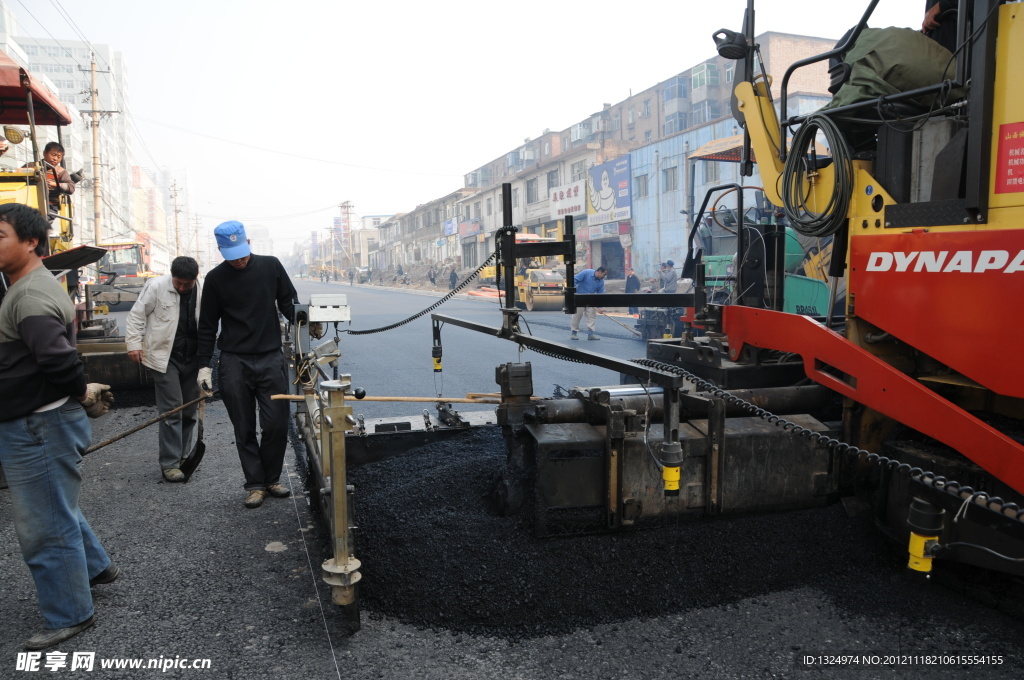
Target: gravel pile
[[435, 553]]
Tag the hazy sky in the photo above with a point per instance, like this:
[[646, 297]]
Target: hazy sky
[[280, 111]]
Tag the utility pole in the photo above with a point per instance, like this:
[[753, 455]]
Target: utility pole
[[657, 204], [331, 277], [177, 236], [346, 230], [97, 195], [199, 252], [94, 124]]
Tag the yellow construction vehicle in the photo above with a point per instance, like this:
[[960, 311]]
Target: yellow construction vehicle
[[26, 106], [540, 290]]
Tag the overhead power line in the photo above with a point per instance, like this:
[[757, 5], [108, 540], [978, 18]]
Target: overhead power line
[[329, 161]]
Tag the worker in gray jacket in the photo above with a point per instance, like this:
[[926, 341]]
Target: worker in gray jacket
[[668, 280], [162, 334]]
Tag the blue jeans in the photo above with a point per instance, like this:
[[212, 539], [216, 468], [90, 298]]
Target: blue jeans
[[41, 454]]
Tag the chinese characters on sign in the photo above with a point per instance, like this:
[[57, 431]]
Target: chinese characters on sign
[[569, 199], [1010, 159]]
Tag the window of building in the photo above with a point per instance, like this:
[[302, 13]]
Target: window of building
[[31, 50], [706, 111], [376, 221], [676, 88], [531, 191], [640, 182], [647, 135], [647, 108], [669, 179], [712, 173], [56, 52], [730, 71], [579, 170], [616, 121], [515, 197], [703, 75], [631, 117], [476, 210], [490, 207], [675, 122], [552, 179], [547, 148]]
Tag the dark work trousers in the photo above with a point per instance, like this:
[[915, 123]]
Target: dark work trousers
[[174, 387], [246, 382]]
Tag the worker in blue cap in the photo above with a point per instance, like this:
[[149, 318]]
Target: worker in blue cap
[[243, 296]]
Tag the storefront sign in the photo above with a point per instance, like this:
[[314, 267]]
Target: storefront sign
[[469, 228], [568, 199], [610, 191]]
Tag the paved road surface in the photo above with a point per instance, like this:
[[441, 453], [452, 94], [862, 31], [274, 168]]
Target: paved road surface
[[454, 592]]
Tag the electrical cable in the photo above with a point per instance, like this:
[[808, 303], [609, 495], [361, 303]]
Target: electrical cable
[[432, 307], [943, 547], [801, 171]]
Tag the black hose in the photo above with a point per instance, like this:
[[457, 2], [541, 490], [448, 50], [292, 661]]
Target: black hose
[[796, 179]]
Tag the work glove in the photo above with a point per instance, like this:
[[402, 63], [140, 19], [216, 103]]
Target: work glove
[[205, 381], [98, 399]]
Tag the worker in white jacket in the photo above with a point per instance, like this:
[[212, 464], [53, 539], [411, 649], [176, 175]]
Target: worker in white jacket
[[162, 334]]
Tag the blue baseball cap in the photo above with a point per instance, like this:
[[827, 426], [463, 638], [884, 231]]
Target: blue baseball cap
[[231, 240]]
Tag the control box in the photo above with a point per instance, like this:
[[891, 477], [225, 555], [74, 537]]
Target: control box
[[329, 307]]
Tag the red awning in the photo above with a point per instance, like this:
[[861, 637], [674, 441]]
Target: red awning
[[49, 109], [725, 149]]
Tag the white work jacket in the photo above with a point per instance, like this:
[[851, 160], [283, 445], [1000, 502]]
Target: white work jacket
[[153, 321]]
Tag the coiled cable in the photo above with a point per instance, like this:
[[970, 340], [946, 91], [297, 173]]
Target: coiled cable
[[801, 170]]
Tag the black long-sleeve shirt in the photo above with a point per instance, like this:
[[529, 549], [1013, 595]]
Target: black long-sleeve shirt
[[245, 303]]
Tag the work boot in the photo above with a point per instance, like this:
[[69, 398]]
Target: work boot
[[278, 490], [174, 475], [593, 337], [574, 336], [108, 575], [50, 637], [255, 498]]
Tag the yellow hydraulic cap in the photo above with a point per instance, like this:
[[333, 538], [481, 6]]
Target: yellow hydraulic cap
[[671, 477], [435, 350], [920, 560], [925, 521]]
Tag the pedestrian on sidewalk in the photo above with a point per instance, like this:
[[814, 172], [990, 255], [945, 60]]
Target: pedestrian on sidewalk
[[162, 334], [244, 295], [632, 286], [453, 279], [588, 282], [45, 406], [667, 277]]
